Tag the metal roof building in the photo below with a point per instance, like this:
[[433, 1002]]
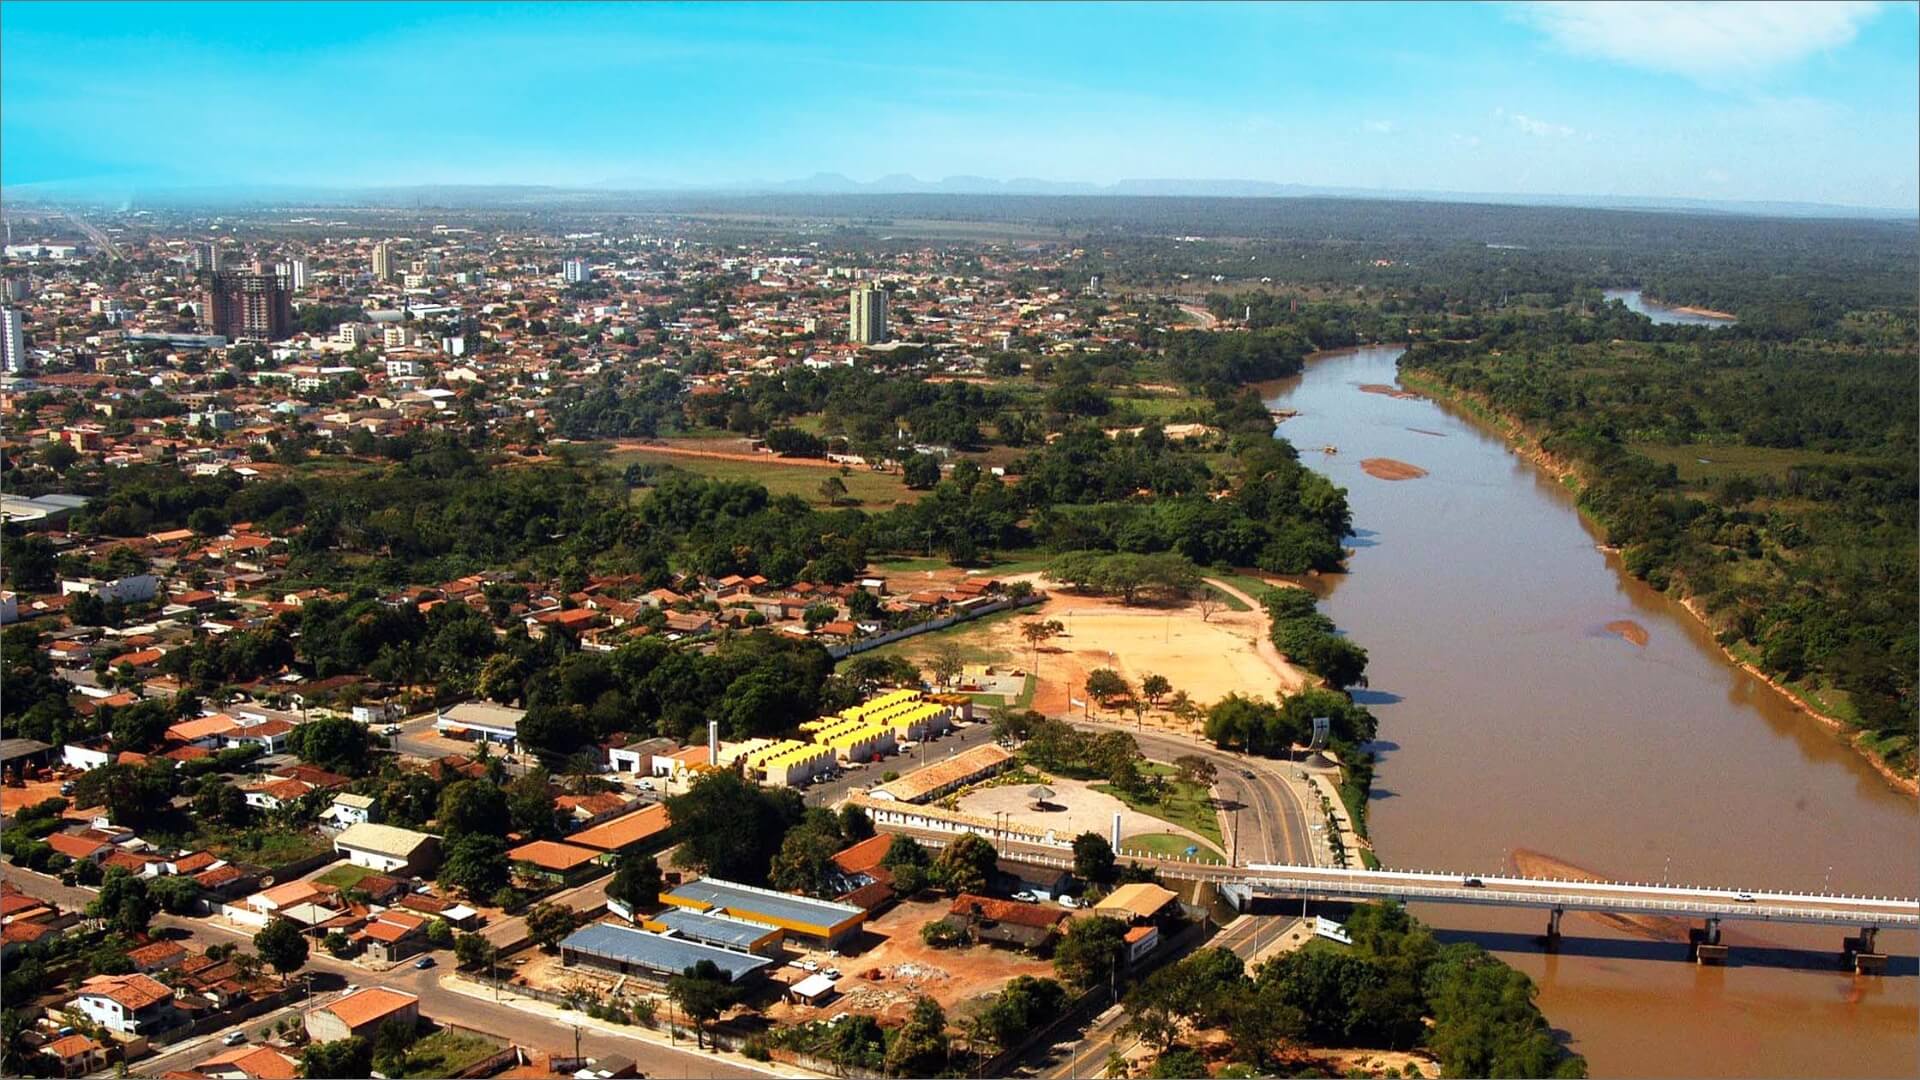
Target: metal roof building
[[802, 916], [728, 933], [650, 955]]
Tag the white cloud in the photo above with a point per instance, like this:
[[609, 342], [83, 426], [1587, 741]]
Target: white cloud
[[1381, 127], [1704, 41], [1541, 128]]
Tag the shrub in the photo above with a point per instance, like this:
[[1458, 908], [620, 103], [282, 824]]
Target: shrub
[[943, 934]]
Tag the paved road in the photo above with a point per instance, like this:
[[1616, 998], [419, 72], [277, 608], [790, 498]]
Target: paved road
[[1271, 820], [331, 975], [1086, 1056]]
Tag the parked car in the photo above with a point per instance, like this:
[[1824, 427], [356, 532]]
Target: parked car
[[423, 963], [646, 785], [1026, 897], [833, 973], [234, 1038], [1069, 902], [1473, 883]]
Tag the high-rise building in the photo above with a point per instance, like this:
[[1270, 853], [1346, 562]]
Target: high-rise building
[[293, 273], [206, 257], [867, 310], [13, 342], [576, 271], [383, 261], [248, 304]]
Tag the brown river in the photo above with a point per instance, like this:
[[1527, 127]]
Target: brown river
[[1535, 700]]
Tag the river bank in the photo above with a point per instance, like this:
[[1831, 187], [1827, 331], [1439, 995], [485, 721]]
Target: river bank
[[1525, 442]]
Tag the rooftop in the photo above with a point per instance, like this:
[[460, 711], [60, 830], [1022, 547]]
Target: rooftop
[[390, 840], [625, 830], [552, 855], [373, 1003], [747, 902], [658, 952]]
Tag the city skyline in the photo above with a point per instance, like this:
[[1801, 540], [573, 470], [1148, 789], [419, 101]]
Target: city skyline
[[1724, 103]]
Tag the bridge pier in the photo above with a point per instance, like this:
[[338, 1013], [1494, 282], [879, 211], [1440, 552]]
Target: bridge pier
[[1553, 927], [1859, 953], [1703, 944]]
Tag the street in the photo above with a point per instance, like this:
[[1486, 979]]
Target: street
[[331, 975]]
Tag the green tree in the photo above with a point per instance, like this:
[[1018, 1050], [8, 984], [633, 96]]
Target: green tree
[[1093, 858], [390, 1046], [1091, 952], [1155, 687], [703, 994], [475, 807], [336, 744], [338, 944], [804, 863], [123, 902], [1105, 685], [833, 489], [549, 924], [920, 471], [281, 944], [530, 804], [473, 951], [966, 865], [730, 826], [920, 1047], [636, 882], [476, 864], [342, 1057]]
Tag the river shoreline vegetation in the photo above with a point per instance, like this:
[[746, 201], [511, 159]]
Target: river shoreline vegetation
[[1770, 486]]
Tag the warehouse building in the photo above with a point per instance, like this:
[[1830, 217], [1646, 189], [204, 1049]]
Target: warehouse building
[[656, 957], [719, 930], [819, 922]]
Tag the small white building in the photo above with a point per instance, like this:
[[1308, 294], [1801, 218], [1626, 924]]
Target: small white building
[[128, 1004], [348, 810], [127, 590], [388, 848], [481, 720]]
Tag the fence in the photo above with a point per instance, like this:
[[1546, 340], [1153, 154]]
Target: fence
[[842, 651]]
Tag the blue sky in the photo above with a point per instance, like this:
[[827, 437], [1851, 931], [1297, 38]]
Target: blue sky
[[1791, 102]]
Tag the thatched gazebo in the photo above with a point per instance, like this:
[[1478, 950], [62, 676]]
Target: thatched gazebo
[[1040, 793]]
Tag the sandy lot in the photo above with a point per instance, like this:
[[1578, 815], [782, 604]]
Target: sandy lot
[[1383, 468], [1386, 391], [887, 977], [1075, 808], [1208, 658], [15, 799]]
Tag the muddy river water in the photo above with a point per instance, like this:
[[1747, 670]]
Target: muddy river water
[[1534, 701]]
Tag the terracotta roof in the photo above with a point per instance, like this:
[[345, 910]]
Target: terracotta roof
[[71, 1046], [1006, 911], [74, 847], [201, 727], [550, 855], [132, 992], [624, 831], [157, 953], [865, 855], [363, 1007], [258, 1062]]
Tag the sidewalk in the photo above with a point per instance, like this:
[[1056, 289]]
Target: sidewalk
[[1350, 840], [575, 1018]]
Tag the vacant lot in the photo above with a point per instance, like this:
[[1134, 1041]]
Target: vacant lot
[[866, 489], [886, 977]]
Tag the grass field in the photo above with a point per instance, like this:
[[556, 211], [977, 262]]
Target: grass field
[[1706, 464], [1185, 804], [1171, 845], [445, 1053], [345, 876], [866, 489]]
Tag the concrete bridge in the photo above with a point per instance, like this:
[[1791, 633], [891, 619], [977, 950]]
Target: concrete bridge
[[1708, 905]]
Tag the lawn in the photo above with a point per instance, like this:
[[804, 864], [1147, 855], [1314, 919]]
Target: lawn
[[993, 701], [345, 876], [446, 1052], [1184, 803], [865, 488], [258, 845], [1170, 845], [1698, 464]]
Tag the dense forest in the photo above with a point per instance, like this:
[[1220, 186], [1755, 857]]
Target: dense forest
[[1773, 484]]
